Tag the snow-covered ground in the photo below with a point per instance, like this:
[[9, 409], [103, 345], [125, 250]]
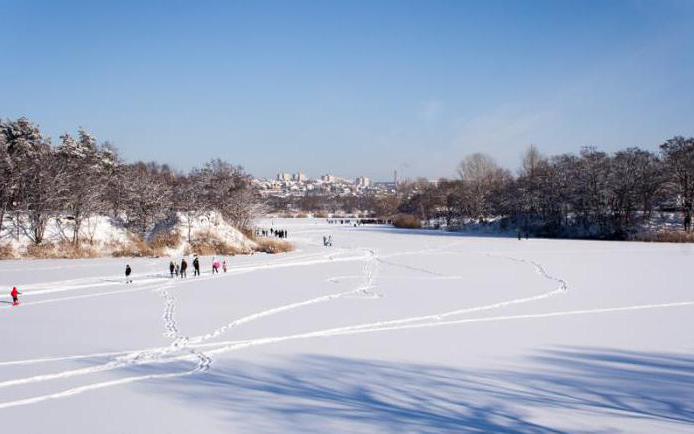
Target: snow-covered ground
[[387, 331]]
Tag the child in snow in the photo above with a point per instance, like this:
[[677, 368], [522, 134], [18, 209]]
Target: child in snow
[[215, 266], [224, 265], [128, 270], [176, 269], [15, 296]]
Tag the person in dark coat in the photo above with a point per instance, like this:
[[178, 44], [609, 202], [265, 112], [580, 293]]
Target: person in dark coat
[[196, 266], [172, 268], [184, 267], [128, 271]]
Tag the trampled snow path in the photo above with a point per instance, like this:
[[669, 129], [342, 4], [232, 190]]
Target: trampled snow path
[[151, 281]]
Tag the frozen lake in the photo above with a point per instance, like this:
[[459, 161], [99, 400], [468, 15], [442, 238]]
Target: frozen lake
[[386, 331]]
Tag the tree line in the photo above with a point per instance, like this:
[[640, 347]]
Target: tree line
[[592, 194], [79, 178]]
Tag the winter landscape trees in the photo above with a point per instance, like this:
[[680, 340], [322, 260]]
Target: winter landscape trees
[[79, 178], [593, 194]]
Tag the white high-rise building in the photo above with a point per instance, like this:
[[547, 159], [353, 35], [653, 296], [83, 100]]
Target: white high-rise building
[[284, 177], [362, 182], [327, 178], [299, 177]]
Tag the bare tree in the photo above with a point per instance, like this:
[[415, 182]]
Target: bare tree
[[678, 154]]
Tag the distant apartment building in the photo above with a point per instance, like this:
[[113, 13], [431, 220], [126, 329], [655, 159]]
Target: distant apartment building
[[284, 177], [362, 182], [328, 178], [299, 177]]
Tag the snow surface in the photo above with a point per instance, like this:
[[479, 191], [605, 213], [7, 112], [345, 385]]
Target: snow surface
[[387, 331]]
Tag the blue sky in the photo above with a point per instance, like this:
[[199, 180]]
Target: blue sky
[[351, 88]]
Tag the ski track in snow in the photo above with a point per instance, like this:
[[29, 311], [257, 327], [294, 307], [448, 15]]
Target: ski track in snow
[[157, 355]]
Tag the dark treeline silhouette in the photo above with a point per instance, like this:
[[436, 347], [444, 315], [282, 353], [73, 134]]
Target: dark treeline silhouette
[[591, 195], [79, 178]]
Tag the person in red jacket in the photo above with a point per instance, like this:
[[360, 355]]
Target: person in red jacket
[[15, 296]]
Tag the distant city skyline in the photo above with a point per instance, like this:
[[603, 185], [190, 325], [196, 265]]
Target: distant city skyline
[[351, 88]]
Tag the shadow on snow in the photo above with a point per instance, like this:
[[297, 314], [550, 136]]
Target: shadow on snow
[[320, 394]]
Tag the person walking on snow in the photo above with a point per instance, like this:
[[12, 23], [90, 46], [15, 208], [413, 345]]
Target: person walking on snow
[[177, 269], [172, 268], [196, 266], [215, 266], [15, 296], [128, 270], [224, 265], [184, 267]]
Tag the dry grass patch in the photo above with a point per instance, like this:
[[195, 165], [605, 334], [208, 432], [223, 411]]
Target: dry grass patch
[[208, 244], [273, 246], [136, 247], [61, 250], [166, 240], [407, 221], [665, 237], [7, 252]]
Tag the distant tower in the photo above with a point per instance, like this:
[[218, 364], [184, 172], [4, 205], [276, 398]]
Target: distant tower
[[395, 178]]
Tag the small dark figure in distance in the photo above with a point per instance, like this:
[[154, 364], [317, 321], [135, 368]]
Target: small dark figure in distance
[[128, 271]]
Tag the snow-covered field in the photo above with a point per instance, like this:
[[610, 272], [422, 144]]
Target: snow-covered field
[[387, 331]]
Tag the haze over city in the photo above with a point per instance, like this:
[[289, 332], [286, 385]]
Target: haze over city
[[353, 88]]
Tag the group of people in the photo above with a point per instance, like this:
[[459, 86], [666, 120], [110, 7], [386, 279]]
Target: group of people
[[272, 232], [327, 240], [181, 270]]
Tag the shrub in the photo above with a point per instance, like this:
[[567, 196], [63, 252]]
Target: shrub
[[407, 221]]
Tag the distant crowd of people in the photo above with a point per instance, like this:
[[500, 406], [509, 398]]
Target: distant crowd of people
[[272, 232], [355, 222]]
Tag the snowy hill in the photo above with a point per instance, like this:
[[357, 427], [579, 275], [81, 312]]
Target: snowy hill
[[106, 236]]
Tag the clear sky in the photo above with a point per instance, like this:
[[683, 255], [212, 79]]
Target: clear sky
[[351, 88]]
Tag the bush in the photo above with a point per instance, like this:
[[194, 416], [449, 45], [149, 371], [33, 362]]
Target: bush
[[407, 221], [273, 246]]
